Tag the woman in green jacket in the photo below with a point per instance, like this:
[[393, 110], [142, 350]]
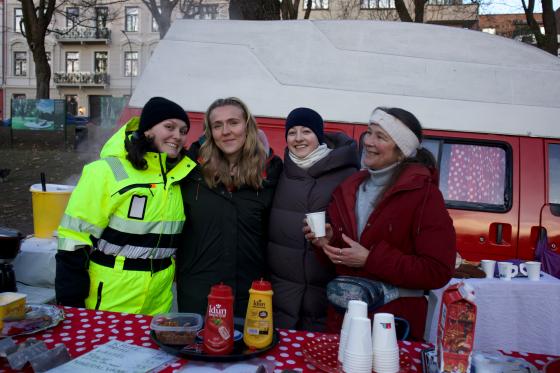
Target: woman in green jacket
[[121, 226]]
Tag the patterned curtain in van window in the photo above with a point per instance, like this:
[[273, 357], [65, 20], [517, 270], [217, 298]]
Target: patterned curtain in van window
[[476, 174]]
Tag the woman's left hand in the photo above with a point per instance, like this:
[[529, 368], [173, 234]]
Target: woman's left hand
[[355, 255]]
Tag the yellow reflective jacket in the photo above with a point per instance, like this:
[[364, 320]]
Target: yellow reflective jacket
[[124, 211]]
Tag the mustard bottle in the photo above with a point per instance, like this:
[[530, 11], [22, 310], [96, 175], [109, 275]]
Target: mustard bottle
[[258, 329]]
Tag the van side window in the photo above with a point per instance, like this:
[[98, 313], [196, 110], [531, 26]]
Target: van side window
[[433, 146], [475, 176], [554, 173]]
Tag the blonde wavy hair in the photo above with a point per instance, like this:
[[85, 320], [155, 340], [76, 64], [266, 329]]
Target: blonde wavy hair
[[251, 162]]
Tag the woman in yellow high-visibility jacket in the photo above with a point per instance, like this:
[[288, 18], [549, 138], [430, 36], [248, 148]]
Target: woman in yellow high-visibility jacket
[[122, 223]]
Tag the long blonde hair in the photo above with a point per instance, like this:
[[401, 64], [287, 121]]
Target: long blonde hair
[[251, 162]]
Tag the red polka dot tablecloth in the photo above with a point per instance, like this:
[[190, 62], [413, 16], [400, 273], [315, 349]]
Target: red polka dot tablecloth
[[83, 330]]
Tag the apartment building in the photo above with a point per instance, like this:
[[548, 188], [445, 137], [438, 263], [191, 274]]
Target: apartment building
[[442, 12], [513, 26], [98, 52]]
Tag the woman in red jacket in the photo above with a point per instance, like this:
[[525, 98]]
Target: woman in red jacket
[[388, 222]]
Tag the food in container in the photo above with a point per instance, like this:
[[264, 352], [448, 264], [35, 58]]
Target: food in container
[[12, 306], [176, 328]]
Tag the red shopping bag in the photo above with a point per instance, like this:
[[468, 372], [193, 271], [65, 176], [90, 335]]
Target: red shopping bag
[[550, 260]]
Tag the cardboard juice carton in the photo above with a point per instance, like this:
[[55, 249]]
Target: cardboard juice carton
[[455, 337]]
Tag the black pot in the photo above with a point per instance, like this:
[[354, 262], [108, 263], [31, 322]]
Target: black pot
[[10, 242]]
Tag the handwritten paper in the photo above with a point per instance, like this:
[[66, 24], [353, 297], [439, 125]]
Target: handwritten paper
[[117, 357]]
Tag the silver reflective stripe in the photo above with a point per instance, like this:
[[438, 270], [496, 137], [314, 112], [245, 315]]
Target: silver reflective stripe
[[135, 252], [68, 244], [144, 227], [117, 168], [79, 225]]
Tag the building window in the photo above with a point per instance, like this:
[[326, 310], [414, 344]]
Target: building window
[[101, 15], [131, 19], [20, 63], [202, 11], [100, 62], [18, 17], [72, 62], [72, 16], [317, 4], [489, 30], [377, 4], [130, 63], [554, 173], [18, 96]]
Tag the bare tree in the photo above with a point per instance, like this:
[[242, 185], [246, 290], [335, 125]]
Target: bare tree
[[548, 41], [36, 21], [404, 14], [162, 13]]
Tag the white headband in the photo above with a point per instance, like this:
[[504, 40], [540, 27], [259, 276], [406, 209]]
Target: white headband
[[405, 139]]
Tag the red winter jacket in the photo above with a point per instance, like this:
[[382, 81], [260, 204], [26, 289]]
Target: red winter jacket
[[410, 236]]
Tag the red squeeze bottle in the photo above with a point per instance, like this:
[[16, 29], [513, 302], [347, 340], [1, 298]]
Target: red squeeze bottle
[[218, 325]]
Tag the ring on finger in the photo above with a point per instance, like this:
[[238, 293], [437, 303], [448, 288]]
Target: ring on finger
[[339, 252]]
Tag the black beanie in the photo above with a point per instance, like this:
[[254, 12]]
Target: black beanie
[[158, 109], [306, 117]]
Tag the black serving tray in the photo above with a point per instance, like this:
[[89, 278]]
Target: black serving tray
[[194, 352]]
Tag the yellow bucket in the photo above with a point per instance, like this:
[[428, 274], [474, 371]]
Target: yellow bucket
[[48, 207]]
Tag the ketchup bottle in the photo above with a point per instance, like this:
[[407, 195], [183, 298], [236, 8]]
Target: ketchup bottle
[[218, 325]]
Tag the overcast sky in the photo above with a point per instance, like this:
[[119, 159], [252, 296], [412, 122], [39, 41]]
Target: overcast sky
[[509, 6]]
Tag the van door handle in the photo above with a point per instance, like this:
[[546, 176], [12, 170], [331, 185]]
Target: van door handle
[[499, 233]]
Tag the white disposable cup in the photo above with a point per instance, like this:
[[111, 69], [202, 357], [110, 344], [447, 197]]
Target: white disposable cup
[[316, 221], [384, 336], [355, 308], [359, 338], [488, 266], [531, 269], [507, 270]]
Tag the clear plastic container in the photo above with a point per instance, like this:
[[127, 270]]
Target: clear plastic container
[[176, 328]]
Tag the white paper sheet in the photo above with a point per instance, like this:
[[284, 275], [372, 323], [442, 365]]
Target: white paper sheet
[[117, 357]]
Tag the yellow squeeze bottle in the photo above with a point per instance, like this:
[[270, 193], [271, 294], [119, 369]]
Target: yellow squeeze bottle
[[258, 329]]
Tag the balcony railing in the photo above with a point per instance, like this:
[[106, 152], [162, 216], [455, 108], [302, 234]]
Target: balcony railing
[[82, 78], [83, 35]]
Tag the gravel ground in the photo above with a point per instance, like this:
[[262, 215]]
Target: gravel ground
[[32, 152]]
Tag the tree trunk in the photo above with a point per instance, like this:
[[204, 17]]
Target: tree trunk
[[419, 6], [402, 11], [42, 72], [254, 9], [36, 20], [308, 10], [550, 43], [162, 13], [164, 22]]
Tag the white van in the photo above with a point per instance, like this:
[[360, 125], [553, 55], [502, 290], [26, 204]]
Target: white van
[[490, 105]]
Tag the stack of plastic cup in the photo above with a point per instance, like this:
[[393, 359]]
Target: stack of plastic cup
[[358, 353], [384, 341], [356, 308]]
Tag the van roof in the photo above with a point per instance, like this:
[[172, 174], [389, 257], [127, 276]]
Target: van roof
[[452, 79]]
